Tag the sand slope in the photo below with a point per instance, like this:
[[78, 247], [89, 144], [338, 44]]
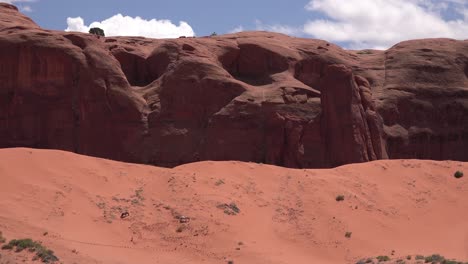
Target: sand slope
[[286, 215]]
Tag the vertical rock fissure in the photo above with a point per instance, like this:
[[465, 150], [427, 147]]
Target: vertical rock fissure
[[76, 109]]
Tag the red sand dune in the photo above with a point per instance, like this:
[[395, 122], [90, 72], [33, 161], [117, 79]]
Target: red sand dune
[[286, 215]]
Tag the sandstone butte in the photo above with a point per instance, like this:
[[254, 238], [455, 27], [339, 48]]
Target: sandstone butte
[[252, 96]]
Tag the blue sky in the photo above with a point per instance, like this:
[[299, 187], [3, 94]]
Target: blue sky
[[205, 16], [350, 23]]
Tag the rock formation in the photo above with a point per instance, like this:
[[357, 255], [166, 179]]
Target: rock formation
[[256, 96]]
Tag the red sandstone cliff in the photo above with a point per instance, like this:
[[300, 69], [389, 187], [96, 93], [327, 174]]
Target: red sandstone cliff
[[253, 96]]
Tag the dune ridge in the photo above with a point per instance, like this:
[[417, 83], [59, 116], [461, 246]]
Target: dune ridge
[[185, 214]]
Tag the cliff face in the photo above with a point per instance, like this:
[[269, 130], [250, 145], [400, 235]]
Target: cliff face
[[256, 96]]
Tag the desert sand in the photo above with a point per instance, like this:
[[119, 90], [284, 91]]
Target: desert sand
[[73, 203]]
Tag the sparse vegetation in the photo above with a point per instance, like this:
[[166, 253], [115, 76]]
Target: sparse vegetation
[[364, 52], [458, 174], [339, 198], [139, 194], [348, 234], [42, 253], [97, 31], [434, 258], [383, 258], [229, 209], [219, 182], [213, 34], [7, 247], [364, 261]]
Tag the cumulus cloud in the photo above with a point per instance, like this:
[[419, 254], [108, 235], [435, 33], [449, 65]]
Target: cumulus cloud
[[237, 29], [279, 28], [22, 8], [288, 30], [383, 23], [27, 9], [119, 25]]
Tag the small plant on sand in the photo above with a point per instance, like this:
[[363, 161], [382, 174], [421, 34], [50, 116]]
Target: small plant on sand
[[383, 258], [339, 198], [435, 258], [229, 209], [348, 234], [219, 182], [42, 253], [458, 174], [419, 257]]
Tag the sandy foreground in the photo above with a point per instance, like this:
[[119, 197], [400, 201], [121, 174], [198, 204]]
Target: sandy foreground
[[73, 205]]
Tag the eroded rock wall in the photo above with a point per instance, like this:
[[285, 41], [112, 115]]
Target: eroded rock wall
[[255, 96]]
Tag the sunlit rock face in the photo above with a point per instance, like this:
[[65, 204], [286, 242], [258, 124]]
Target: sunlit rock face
[[256, 96]]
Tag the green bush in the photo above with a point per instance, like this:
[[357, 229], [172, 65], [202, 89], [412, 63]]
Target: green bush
[[434, 258], [7, 247], [383, 258], [458, 174], [97, 31], [42, 253], [339, 198]]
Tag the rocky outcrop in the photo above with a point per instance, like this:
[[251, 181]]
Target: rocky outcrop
[[351, 128], [255, 96]]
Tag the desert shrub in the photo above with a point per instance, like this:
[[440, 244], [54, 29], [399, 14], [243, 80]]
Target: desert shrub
[[434, 258], [42, 253], [339, 198], [383, 258], [7, 247], [97, 31], [458, 174]]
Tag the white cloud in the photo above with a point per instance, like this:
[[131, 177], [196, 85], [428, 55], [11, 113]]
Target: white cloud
[[26, 9], [237, 29], [260, 26], [120, 25], [383, 23], [288, 30], [17, 1]]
